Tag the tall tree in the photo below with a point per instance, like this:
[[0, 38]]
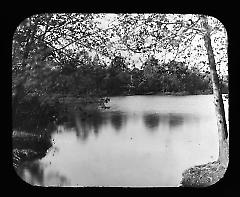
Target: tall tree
[[218, 101], [47, 49], [154, 33], [56, 37]]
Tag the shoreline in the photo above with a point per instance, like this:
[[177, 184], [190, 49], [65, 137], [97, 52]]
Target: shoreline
[[183, 93], [166, 94], [205, 175], [28, 146]]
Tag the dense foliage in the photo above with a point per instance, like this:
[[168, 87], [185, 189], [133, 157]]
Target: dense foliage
[[50, 78], [65, 65]]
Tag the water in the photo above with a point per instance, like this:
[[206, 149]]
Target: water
[[140, 141]]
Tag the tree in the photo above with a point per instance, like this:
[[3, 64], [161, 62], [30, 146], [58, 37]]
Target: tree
[[154, 33], [150, 73], [218, 101], [118, 76], [55, 45], [137, 77], [47, 68]]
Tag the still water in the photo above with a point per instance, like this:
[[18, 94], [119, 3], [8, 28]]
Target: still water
[[139, 141]]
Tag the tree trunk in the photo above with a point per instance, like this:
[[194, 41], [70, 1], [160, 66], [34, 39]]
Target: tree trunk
[[218, 101]]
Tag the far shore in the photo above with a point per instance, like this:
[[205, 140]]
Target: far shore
[[183, 93]]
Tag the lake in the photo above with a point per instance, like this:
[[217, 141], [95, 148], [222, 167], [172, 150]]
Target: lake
[[140, 141]]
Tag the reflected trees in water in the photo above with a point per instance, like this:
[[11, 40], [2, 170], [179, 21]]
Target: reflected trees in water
[[34, 174], [175, 120], [117, 120], [151, 121], [93, 123], [37, 122], [56, 179]]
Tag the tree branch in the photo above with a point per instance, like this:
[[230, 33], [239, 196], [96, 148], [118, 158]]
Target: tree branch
[[189, 39]]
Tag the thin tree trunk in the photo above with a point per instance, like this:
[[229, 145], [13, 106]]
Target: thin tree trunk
[[218, 101]]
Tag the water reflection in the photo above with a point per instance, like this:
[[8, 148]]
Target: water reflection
[[151, 121], [126, 152], [117, 120], [34, 125], [82, 128], [34, 173], [93, 124], [176, 120], [82, 125], [97, 121], [56, 179]]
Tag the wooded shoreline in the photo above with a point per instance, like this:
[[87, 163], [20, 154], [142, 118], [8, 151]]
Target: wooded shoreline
[[63, 62], [182, 93], [29, 146]]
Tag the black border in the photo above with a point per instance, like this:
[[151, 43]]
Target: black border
[[224, 187]]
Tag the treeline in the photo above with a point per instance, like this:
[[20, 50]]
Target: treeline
[[155, 78], [52, 71], [91, 78], [49, 87]]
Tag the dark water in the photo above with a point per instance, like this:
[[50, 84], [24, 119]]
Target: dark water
[[140, 141]]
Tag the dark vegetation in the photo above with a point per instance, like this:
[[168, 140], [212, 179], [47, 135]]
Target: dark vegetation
[[50, 82], [27, 146], [54, 93]]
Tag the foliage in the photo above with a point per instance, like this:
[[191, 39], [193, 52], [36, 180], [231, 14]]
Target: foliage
[[57, 60], [59, 65], [118, 77], [45, 71]]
